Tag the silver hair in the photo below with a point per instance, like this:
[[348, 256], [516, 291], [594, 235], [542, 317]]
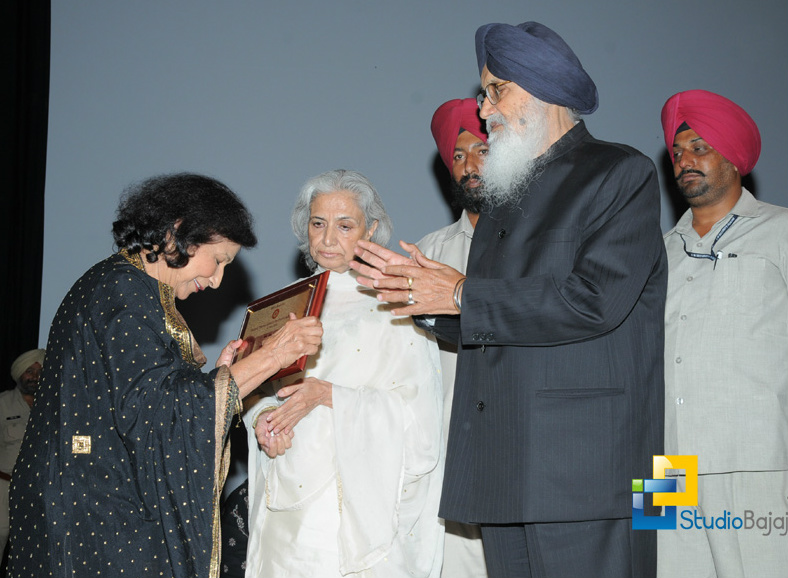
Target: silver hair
[[367, 199]]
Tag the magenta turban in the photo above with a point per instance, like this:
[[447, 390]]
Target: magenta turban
[[449, 119], [720, 122]]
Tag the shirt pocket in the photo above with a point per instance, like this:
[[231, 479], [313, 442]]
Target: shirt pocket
[[738, 285], [14, 429]]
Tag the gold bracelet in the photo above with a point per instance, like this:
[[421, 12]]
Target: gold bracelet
[[457, 286]]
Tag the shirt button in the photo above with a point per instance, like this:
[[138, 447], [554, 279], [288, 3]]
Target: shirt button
[[679, 400], [683, 317], [678, 360], [699, 244], [480, 406], [501, 233], [689, 278]]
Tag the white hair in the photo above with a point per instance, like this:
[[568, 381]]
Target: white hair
[[367, 199]]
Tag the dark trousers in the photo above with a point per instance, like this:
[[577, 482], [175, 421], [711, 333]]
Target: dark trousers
[[597, 549]]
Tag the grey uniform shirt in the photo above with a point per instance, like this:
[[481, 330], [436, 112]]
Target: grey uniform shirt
[[726, 340], [14, 413]]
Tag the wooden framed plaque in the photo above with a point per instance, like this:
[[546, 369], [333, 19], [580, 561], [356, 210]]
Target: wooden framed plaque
[[268, 314]]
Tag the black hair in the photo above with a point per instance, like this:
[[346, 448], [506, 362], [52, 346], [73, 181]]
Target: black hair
[[169, 214]]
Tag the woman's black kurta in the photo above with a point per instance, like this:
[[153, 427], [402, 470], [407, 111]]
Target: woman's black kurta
[[123, 458]]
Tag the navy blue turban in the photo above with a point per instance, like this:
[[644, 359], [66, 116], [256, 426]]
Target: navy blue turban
[[538, 60]]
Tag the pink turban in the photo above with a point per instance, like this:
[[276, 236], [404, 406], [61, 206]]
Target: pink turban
[[449, 119], [720, 122]]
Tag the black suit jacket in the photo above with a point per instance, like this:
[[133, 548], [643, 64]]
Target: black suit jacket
[[559, 392]]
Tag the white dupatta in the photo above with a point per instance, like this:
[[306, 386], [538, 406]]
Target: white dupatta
[[380, 444]]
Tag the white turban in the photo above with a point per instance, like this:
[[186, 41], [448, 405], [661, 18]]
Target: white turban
[[21, 363]]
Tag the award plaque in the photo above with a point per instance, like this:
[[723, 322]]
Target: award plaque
[[268, 314]]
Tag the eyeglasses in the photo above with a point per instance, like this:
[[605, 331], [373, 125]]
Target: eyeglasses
[[491, 92]]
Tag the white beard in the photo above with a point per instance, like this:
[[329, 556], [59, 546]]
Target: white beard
[[513, 159]]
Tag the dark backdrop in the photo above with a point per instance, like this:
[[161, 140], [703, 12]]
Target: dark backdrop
[[24, 28]]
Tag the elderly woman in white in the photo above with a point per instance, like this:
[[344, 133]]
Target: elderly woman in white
[[357, 493]]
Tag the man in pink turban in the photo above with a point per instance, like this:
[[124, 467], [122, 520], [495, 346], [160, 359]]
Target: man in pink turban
[[462, 143], [726, 344]]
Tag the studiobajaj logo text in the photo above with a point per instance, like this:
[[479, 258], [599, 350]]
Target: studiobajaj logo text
[[664, 494]]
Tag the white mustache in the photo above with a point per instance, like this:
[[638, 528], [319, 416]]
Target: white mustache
[[497, 118]]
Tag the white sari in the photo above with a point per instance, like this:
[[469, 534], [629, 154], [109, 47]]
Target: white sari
[[358, 492]]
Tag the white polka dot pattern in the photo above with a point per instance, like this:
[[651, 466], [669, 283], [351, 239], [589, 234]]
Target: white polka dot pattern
[[140, 502]]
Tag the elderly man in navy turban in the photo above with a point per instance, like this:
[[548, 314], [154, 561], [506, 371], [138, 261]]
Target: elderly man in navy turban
[[559, 397], [726, 348]]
